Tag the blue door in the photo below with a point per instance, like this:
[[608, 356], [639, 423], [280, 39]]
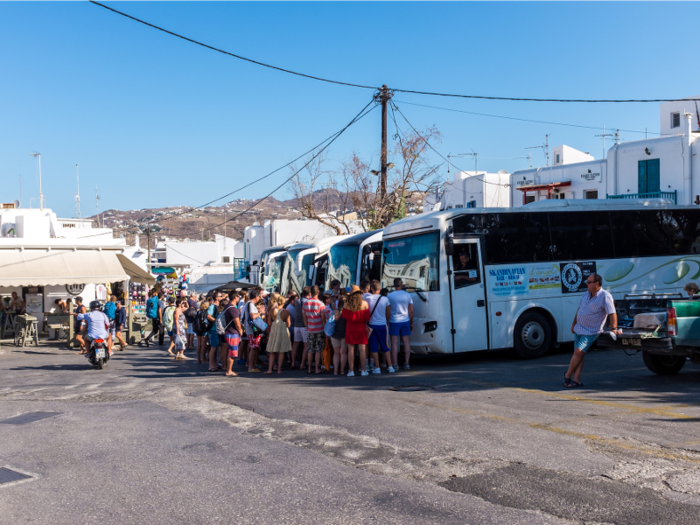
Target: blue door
[[649, 176]]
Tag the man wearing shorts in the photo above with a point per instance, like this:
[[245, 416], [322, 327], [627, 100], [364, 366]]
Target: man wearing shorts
[[314, 320], [252, 312], [378, 338], [214, 344], [301, 334], [119, 324], [400, 314], [232, 318], [595, 306]]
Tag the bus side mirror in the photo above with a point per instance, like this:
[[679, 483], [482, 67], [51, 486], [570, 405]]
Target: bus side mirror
[[449, 246]]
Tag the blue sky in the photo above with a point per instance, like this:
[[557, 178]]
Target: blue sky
[[155, 121]]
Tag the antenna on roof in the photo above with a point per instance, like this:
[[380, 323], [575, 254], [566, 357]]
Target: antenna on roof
[[544, 147]]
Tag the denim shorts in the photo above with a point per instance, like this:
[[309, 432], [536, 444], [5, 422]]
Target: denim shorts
[[584, 342], [213, 339], [400, 328]]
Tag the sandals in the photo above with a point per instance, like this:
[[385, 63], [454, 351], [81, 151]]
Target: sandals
[[569, 383]]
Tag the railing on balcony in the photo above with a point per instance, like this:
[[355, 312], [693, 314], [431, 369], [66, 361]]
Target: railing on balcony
[[671, 195]]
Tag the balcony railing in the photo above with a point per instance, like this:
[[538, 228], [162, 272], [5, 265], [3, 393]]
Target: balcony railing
[[671, 195]]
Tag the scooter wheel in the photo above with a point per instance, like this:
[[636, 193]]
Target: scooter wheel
[[100, 364]]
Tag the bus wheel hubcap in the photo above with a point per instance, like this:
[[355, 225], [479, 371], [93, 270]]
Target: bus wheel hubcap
[[532, 335]]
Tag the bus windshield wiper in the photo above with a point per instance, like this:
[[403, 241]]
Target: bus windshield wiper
[[418, 293]]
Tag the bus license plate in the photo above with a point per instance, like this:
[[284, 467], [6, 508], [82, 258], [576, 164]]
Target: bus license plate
[[100, 353], [632, 342]]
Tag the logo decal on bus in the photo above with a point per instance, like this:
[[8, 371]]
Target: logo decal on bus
[[573, 276]]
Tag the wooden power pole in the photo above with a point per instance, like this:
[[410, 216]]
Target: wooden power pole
[[383, 96]]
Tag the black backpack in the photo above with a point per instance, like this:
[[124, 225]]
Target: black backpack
[[200, 324]]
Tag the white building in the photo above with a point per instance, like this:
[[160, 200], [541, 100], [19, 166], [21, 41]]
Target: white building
[[44, 258], [661, 167], [207, 264], [472, 189]]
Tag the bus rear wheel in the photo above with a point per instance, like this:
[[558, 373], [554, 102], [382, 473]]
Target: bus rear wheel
[[533, 336]]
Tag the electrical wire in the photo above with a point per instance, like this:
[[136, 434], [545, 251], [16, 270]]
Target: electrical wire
[[324, 145], [394, 107], [359, 116], [527, 120], [256, 62], [414, 92]]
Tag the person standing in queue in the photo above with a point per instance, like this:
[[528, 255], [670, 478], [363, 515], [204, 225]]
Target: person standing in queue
[[314, 312], [356, 314], [213, 336], [595, 306], [400, 314], [252, 312]]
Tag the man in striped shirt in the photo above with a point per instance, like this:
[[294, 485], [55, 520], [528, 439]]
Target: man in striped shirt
[[314, 320], [595, 306]]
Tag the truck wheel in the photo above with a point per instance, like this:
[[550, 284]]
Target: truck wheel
[[664, 365], [532, 336]]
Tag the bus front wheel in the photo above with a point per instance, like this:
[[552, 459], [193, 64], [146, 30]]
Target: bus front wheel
[[533, 336]]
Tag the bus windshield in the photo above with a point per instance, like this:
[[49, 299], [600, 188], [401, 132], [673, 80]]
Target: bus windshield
[[342, 264], [297, 282], [415, 260], [273, 272]]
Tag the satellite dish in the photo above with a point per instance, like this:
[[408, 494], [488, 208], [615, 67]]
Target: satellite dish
[[17, 203]]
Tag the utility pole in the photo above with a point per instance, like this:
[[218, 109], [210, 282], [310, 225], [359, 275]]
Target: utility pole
[[97, 206], [617, 136], [383, 96], [148, 237], [604, 135], [37, 156], [77, 195], [544, 147]]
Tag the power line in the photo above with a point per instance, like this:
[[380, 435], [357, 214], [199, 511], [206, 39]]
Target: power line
[[363, 113], [521, 119], [359, 116], [415, 92], [256, 62], [394, 107]]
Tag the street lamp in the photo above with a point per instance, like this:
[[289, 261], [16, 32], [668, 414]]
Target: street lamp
[[41, 195]]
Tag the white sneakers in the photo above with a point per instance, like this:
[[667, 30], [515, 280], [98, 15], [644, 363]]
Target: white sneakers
[[365, 373], [351, 374], [391, 370], [377, 370]]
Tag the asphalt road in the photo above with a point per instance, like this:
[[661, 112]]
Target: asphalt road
[[478, 439]]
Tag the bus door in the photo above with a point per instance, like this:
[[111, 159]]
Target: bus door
[[469, 312]]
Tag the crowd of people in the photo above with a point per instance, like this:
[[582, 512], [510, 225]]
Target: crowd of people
[[349, 331]]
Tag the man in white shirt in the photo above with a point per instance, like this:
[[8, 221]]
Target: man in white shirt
[[378, 338], [400, 314]]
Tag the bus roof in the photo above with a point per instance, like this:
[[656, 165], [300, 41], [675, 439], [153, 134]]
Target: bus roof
[[426, 221], [321, 244], [358, 238]]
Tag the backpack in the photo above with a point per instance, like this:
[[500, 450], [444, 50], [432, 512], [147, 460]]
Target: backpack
[[257, 325], [168, 318], [200, 324], [152, 308], [220, 324]]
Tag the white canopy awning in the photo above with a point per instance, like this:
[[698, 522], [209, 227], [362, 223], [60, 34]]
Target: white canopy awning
[[135, 272], [59, 267]]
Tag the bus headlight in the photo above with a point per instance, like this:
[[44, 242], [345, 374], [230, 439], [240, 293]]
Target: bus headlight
[[430, 326]]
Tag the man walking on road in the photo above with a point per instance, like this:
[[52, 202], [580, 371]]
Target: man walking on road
[[154, 311], [595, 306]]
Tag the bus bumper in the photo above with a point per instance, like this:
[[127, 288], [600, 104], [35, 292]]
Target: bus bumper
[[426, 338]]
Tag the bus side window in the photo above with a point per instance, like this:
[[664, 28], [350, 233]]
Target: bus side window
[[465, 267]]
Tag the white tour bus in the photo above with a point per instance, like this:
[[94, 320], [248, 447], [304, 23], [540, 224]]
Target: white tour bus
[[298, 271], [272, 261], [513, 277], [355, 259]]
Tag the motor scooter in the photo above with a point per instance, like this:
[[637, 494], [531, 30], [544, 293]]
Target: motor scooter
[[98, 355]]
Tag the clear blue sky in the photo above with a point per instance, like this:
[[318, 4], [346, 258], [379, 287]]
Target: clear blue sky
[[155, 121]]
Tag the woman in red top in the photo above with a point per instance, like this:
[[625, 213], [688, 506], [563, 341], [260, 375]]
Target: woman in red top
[[356, 313]]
